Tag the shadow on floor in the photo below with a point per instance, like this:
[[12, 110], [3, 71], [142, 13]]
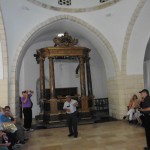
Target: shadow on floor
[[63, 123]]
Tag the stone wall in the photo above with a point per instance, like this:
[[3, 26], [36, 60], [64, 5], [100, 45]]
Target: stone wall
[[120, 91]]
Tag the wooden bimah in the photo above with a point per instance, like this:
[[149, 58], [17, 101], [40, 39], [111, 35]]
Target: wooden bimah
[[65, 48]]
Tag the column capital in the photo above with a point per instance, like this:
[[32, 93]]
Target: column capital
[[87, 58], [51, 58], [82, 59], [39, 58]]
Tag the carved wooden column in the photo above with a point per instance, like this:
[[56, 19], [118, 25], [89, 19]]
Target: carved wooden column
[[42, 84], [84, 98], [40, 60], [82, 77], [89, 83], [52, 78], [89, 80], [53, 100], [42, 78]]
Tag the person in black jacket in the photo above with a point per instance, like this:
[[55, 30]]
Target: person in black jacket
[[145, 110]]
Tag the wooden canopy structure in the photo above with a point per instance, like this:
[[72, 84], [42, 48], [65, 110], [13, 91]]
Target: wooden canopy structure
[[65, 48]]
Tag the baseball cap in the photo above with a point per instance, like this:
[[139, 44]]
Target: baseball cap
[[145, 91]]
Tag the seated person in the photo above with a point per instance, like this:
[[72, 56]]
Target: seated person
[[133, 104], [4, 118], [3, 146], [20, 130]]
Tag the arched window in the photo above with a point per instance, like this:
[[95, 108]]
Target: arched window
[[64, 2]]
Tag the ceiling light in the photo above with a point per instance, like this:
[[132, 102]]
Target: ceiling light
[[60, 34]]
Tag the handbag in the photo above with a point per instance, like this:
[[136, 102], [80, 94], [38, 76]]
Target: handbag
[[9, 127]]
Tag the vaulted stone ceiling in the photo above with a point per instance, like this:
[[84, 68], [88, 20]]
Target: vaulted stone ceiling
[[48, 32]]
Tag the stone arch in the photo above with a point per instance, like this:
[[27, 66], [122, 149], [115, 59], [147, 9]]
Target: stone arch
[[128, 35], [129, 83], [24, 45], [4, 52]]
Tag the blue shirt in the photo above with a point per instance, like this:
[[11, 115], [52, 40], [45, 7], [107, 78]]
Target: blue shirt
[[4, 118]]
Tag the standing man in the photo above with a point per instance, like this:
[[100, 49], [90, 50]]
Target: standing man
[[70, 107], [145, 110], [27, 109]]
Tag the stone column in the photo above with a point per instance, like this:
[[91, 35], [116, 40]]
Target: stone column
[[53, 100], [84, 98]]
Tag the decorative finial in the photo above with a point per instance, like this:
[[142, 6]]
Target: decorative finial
[[65, 41]]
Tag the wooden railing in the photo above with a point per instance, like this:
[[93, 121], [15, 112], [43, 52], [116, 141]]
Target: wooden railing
[[98, 111], [101, 104]]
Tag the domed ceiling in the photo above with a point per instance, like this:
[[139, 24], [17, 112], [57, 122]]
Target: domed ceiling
[[74, 5]]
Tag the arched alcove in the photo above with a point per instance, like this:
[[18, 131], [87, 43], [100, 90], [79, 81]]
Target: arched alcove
[[43, 34], [147, 66]]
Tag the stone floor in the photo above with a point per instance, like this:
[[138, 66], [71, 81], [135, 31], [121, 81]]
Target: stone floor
[[117, 135]]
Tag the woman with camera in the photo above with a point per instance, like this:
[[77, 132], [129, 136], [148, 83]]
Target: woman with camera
[[27, 109]]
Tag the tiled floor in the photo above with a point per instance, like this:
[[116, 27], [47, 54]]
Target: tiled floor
[[117, 135]]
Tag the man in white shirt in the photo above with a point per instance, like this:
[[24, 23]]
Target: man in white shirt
[[70, 107]]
